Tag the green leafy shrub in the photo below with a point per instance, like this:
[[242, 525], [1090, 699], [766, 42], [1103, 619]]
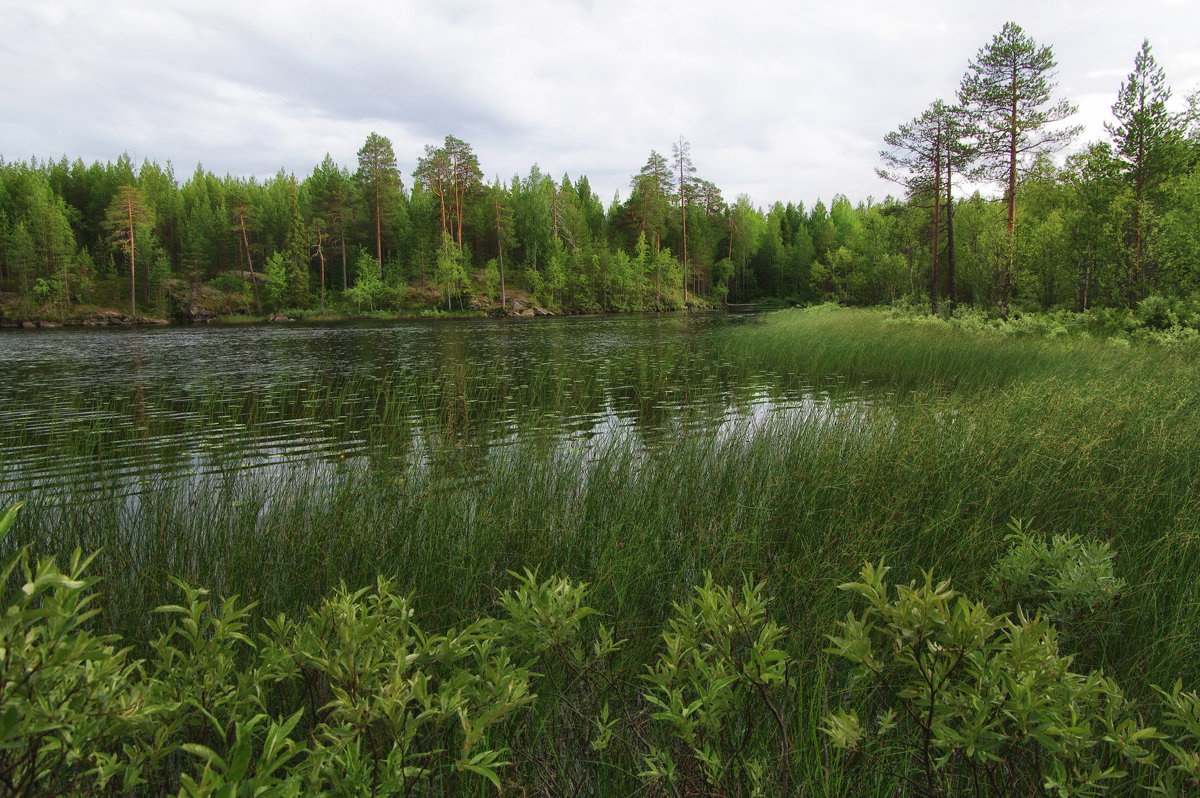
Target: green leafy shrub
[[550, 626], [971, 703], [230, 283], [357, 698], [1070, 581], [1181, 776], [714, 690], [208, 686], [397, 706], [1156, 313], [68, 698]]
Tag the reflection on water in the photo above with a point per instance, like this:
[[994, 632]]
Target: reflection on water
[[123, 409]]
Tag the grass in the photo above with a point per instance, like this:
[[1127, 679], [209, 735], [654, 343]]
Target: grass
[[961, 434]]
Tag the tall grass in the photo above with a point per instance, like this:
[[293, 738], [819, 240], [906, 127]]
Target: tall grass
[[902, 353], [960, 435]]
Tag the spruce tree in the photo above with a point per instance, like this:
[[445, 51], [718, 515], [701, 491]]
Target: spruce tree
[[1145, 136]]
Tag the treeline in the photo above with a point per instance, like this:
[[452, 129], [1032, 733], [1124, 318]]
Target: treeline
[[367, 237], [1113, 225]]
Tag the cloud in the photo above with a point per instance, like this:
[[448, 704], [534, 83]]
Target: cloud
[[783, 101]]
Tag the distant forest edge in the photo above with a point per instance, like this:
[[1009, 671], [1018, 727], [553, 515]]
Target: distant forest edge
[[1115, 224]]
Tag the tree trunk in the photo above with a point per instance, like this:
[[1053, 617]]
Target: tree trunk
[[937, 220], [321, 255], [683, 225], [951, 259], [442, 201], [132, 307], [378, 226], [1011, 197], [1135, 282], [457, 205], [249, 262], [500, 249]]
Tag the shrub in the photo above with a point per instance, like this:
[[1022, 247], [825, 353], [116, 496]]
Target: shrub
[[68, 697], [1182, 713], [1156, 313], [715, 688], [971, 703], [230, 283], [1070, 581]]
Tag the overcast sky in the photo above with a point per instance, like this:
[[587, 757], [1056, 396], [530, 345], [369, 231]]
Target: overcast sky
[[780, 100]]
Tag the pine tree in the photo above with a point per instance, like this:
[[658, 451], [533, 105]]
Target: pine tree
[[1007, 91], [681, 154], [297, 254], [651, 197], [126, 213], [243, 211], [918, 155], [433, 172], [333, 202], [380, 182], [465, 175]]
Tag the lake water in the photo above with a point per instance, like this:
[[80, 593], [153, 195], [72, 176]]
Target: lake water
[[120, 409]]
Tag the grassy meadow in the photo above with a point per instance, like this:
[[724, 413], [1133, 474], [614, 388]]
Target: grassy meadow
[[955, 434]]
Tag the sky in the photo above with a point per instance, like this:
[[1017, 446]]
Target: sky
[[784, 101]]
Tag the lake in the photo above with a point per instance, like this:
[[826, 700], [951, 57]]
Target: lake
[[121, 409]]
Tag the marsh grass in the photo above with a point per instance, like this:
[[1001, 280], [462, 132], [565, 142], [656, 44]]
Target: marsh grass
[[959, 435]]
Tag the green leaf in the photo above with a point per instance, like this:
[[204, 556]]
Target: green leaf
[[8, 517]]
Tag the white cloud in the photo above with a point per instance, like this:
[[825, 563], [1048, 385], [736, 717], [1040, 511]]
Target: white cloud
[[784, 101]]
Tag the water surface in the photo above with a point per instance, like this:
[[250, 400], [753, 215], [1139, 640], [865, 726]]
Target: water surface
[[121, 409]]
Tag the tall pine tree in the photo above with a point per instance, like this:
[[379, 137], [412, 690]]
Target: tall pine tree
[[380, 182], [126, 213], [1007, 90]]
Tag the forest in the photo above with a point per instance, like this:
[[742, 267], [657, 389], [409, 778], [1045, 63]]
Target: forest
[[1111, 224]]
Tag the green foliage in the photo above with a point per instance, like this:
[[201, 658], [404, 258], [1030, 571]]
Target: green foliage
[[393, 707], [48, 289], [548, 624], [1155, 312], [70, 700], [1069, 581], [360, 698], [491, 279], [450, 273], [973, 702], [397, 706], [276, 281], [720, 676], [204, 678], [230, 283], [1182, 715], [368, 285]]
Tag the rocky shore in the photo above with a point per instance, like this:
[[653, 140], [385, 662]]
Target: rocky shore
[[99, 318]]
